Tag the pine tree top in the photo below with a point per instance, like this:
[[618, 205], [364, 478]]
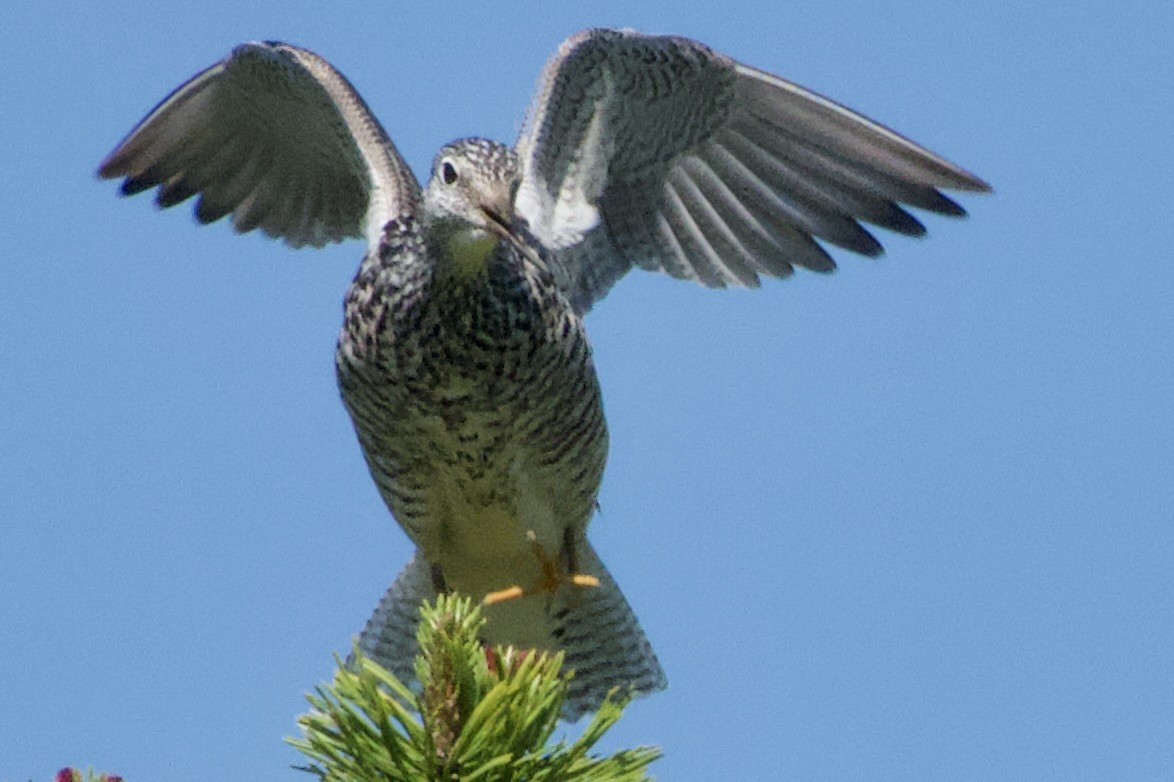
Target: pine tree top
[[481, 714]]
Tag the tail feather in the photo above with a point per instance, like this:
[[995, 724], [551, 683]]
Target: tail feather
[[390, 635], [603, 641], [594, 626]]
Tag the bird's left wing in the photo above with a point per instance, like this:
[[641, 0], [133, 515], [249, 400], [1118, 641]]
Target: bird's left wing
[[659, 152], [277, 137]]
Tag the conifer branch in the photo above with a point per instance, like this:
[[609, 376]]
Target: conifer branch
[[483, 715]]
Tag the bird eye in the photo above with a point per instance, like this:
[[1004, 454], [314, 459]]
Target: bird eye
[[448, 172]]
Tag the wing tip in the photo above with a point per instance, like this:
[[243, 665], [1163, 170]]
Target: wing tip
[[114, 165], [106, 170], [969, 183]]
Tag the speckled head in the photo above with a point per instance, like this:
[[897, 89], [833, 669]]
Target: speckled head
[[473, 180], [468, 203]]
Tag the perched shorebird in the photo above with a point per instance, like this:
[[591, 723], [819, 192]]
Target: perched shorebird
[[462, 358]]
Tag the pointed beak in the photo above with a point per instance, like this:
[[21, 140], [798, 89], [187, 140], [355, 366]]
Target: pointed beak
[[497, 205], [495, 222]]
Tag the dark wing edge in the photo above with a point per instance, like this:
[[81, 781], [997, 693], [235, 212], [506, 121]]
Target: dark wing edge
[[276, 137], [661, 153]]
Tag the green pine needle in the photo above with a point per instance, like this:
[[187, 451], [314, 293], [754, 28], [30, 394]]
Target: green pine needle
[[476, 718]]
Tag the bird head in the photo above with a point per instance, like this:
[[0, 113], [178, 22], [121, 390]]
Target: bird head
[[468, 202]]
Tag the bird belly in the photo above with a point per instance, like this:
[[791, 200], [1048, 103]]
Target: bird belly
[[483, 533], [494, 535]]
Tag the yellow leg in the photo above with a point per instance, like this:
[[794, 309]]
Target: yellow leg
[[584, 580], [502, 595], [548, 583]]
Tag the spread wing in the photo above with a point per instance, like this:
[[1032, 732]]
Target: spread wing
[[276, 137], [661, 153]]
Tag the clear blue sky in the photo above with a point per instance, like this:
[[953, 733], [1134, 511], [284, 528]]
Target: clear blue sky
[[911, 521]]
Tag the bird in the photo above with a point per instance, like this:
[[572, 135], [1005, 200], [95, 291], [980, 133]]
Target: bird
[[462, 359]]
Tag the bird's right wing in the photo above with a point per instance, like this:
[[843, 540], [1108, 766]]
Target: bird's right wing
[[277, 137]]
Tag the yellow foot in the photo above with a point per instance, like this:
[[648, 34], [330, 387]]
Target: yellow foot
[[502, 595], [548, 583], [552, 575]]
